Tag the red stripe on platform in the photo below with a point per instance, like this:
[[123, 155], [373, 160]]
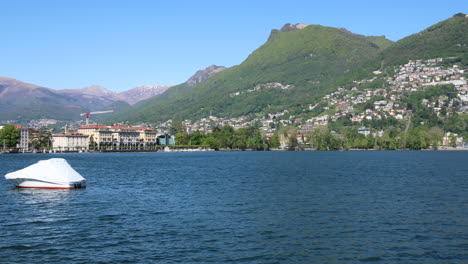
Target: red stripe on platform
[[29, 187]]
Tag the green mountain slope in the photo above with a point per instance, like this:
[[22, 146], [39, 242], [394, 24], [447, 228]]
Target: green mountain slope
[[444, 39], [293, 67]]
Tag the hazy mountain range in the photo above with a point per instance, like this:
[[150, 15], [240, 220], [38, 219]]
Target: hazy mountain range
[[20, 100], [131, 96]]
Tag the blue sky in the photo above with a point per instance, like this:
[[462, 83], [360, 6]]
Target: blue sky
[[124, 44]]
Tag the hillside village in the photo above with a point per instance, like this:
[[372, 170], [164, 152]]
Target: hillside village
[[414, 76], [381, 97]]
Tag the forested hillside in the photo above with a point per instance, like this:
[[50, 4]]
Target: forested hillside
[[294, 66]]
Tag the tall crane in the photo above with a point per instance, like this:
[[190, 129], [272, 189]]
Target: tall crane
[[87, 114]]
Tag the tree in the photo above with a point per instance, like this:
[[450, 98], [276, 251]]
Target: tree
[[196, 138], [274, 141], [453, 141], [435, 135], [418, 139], [181, 138], [9, 136], [91, 142], [457, 124], [292, 143], [177, 126], [240, 138], [256, 142], [370, 142], [318, 140], [336, 142], [43, 138], [211, 142], [228, 137]]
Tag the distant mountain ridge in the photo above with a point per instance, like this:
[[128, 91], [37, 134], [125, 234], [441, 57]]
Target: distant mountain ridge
[[172, 93], [141, 93], [131, 96], [204, 74], [23, 101]]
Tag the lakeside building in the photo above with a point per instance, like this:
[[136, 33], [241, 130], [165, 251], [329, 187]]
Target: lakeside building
[[122, 137], [452, 139], [165, 140], [70, 141], [24, 142]]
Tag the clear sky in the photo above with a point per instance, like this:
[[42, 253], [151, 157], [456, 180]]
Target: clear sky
[[67, 44]]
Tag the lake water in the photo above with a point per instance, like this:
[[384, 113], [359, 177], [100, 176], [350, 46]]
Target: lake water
[[242, 207]]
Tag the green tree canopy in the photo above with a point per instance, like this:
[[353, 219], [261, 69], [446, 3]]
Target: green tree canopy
[[9, 136], [43, 138], [177, 126]]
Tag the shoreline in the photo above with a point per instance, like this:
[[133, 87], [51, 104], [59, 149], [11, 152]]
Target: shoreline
[[225, 150]]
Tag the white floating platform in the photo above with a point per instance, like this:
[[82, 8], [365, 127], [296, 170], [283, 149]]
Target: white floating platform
[[47, 174]]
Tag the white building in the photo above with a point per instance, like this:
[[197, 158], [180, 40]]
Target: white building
[[70, 142], [452, 138], [24, 138]]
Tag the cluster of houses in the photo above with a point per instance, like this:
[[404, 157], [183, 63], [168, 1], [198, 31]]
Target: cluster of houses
[[38, 123], [416, 75], [408, 78], [411, 77], [261, 86]]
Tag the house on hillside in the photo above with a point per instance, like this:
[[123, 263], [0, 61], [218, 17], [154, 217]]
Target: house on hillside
[[453, 140], [364, 131]]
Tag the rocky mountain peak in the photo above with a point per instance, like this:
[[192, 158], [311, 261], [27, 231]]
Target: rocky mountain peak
[[204, 74], [291, 27], [141, 93], [96, 90]]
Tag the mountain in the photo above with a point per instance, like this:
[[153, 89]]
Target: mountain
[[298, 64], [93, 90], [10, 84], [295, 65], [444, 39], [25, 101], [204, 74], [131, 96], [140, 93], [171, 94]]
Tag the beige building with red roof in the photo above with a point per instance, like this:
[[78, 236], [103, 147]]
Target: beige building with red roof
[[120, 136]]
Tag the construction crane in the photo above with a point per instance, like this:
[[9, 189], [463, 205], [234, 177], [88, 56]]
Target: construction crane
[[87, 114]]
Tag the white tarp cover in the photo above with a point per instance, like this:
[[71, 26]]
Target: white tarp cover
[[53, 170]]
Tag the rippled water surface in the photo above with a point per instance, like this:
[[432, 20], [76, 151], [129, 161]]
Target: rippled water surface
[[242, 207]]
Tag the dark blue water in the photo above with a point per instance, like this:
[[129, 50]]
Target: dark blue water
[[242, 207]]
